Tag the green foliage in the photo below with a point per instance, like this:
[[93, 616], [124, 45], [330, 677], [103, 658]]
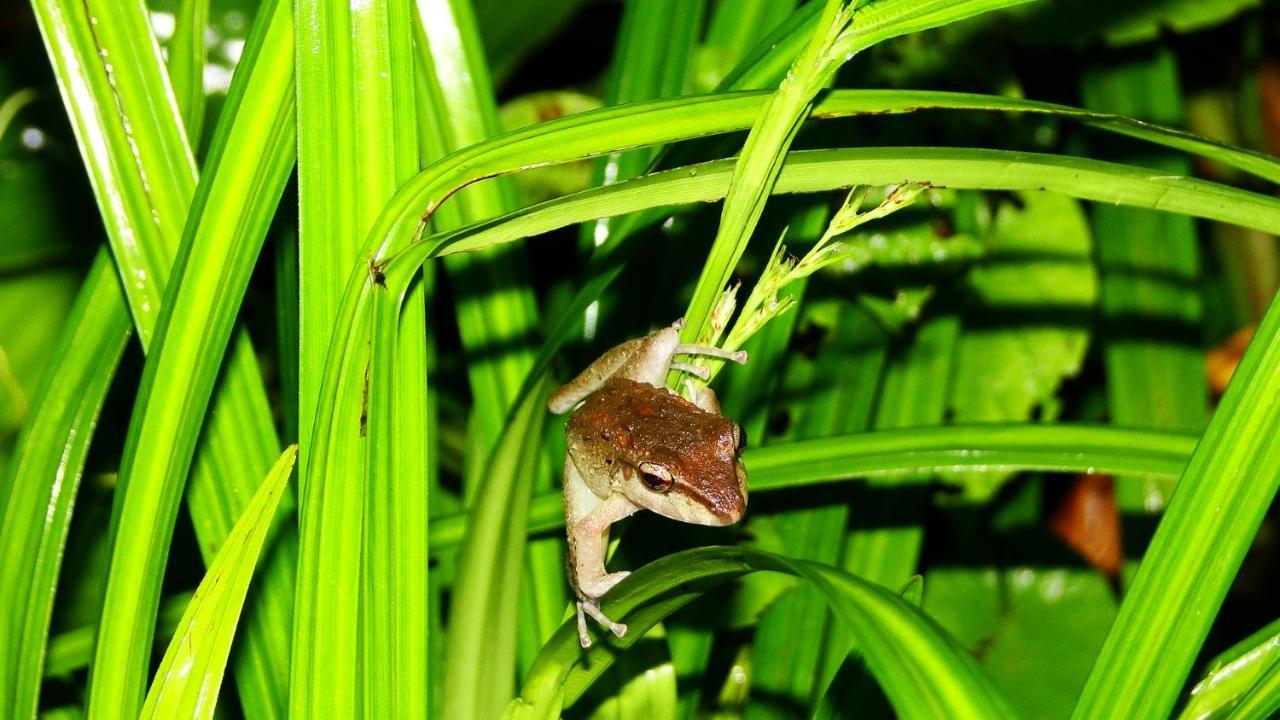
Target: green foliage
[[190, 674], [953, 301]]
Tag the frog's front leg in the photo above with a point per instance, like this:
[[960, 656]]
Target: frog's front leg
[[587, 525]]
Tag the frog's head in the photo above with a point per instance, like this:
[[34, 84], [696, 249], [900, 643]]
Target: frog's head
[[663, 452], [704, 483]]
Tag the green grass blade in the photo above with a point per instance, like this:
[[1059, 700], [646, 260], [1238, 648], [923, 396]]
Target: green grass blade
[[492, 556], [822, 170], [914, 394], [736, 26], [357, 140], [917, 451], [143, 218], [352, 118], [837, 38], [497, 313], [924, 673], [1061, 448], [1150, 298], [1216, 509], [394, 637], [759, 163], [1263, 699], [45, 474], [190, 674], [662, 121], [250, 159], [842, 379], [888, 19], [125, 120], [71, 650], [769, 59], [642, 684], [286, 303], [186, 65], [1234, 674], [331, 521]]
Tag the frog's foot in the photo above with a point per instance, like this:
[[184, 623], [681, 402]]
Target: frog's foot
[[592, 608]]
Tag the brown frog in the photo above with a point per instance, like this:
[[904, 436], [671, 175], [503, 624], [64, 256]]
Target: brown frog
[[635, 444]]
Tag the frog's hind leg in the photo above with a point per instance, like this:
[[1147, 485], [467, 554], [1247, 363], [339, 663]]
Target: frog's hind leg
[[595, 375]]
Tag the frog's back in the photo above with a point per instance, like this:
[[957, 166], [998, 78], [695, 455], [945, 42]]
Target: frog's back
[[626, 423]]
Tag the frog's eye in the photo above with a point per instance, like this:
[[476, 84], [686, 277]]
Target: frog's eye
[[742, 438], [656, 477]]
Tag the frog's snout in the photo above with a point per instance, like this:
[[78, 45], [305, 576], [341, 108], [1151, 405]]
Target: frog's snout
[[737, 509]]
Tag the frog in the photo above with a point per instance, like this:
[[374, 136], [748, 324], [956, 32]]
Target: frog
[[635, 444]]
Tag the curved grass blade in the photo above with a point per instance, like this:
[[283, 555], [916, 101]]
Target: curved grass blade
[[917, 451], [45, 475], [190, 675], [13, 104], [1198, 546], [924, 673], [821, 170], [669, 120], [665, 121]]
